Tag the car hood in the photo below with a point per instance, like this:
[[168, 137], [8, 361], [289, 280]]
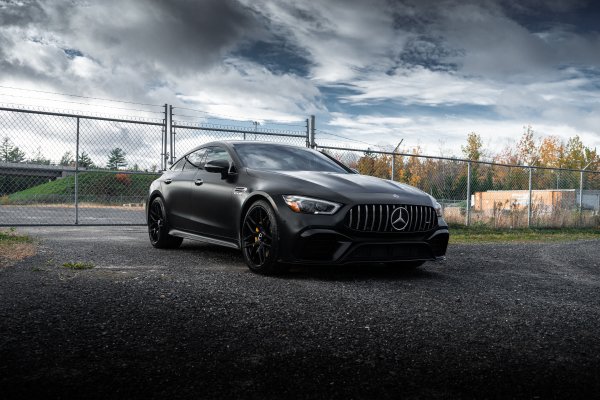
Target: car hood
[[346, 187]]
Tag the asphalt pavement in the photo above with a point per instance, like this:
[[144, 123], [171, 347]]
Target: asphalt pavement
[[493, 321]]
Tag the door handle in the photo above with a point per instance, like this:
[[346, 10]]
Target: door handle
[[168, 180], [198, 182]]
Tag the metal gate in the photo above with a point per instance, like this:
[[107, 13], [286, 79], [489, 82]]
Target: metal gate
[[70, 169]]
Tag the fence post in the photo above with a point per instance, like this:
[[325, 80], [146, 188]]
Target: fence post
[[163, 154], [468, 217], [581, 198], [307, 133], [529, 202], [312, 132], [393, 164], [172, 150], [77, 174]]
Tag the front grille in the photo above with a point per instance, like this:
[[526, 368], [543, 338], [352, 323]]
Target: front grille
[[384, 218]]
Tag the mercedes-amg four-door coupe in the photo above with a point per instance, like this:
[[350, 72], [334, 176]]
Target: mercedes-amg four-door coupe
[[283, 204]]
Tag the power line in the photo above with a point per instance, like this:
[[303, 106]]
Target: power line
[[83, 97]]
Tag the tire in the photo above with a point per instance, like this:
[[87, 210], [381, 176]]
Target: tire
[[260, 239], [158, 228]]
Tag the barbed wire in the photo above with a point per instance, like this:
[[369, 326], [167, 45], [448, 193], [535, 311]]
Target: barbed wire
[[346, 138], [83, 97], [252, 130], [224, 117], [79, 113], [85, 104]]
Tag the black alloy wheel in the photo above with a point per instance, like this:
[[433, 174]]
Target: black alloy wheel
[[158, 229], [259, 238]]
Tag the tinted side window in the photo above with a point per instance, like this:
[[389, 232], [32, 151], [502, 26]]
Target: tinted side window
[[178, 166], [196, 159], [217, 153]]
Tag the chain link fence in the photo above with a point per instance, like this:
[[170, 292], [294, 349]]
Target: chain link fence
[[66, 168], [483, 193]]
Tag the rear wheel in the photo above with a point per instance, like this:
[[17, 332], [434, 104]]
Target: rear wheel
[[158, 229], [259, 238]]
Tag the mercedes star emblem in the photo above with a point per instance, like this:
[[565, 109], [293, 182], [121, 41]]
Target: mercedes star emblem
[[400, 218]]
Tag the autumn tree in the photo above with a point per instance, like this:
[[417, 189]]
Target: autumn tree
[[551, 152], [366, 164], [527, 150], [473, 151], [474, 148]]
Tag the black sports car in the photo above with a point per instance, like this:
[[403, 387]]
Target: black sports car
[[283, 204]]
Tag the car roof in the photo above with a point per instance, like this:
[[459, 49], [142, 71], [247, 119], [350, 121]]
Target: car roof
[[231, 143]]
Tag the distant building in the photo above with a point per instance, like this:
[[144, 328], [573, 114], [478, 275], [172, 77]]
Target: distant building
[[544, 200]]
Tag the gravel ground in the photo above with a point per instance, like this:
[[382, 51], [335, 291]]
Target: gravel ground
[[494, 321]]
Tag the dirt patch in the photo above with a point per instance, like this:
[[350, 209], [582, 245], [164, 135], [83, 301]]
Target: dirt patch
[[10, 253]]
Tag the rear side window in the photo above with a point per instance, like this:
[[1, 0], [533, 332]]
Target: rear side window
[[196, 159], [178, 166]]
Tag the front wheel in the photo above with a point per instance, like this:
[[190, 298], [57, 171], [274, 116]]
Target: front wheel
[[259, 238], [158, 230]]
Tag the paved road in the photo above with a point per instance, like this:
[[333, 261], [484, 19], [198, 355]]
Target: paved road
[[494, 321], [60, 215]]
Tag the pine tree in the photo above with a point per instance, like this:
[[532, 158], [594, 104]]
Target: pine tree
[[85, 161], [116, 158]]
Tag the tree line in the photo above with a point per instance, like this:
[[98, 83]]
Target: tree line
[[116, 158], [448, 179]]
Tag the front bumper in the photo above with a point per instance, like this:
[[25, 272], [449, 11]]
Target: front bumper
[[318, 239]]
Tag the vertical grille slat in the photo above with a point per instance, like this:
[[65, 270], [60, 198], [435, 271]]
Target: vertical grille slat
[[387, 217], [376, 218]]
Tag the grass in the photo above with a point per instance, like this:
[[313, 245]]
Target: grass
[[14, 247], [11, 236], [79, 265], [101, 187], [478, 234]]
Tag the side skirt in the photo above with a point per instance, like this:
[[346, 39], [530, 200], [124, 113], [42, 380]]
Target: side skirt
[[200, 238]]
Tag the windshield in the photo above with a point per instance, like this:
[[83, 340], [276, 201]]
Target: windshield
[[284, 158]]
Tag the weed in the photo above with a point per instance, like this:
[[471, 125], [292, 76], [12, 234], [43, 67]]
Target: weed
[[79, 265]]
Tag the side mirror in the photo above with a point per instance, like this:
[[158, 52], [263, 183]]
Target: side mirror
[[217, 166], [222, 166]]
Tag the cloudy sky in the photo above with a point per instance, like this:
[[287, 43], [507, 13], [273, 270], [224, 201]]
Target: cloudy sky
[[375, 71]]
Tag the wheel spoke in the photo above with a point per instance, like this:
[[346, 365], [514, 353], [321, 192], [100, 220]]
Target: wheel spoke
[[247, 238], [261, 254]]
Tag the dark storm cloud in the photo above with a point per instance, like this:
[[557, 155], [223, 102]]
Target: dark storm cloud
[[21, 13], [181, 35]]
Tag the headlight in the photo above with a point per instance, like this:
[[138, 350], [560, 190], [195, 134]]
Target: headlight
[[307, 205], [438, 208]]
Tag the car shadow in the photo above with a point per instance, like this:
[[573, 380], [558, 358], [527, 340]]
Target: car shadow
[[325, 272], [357, 272]]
